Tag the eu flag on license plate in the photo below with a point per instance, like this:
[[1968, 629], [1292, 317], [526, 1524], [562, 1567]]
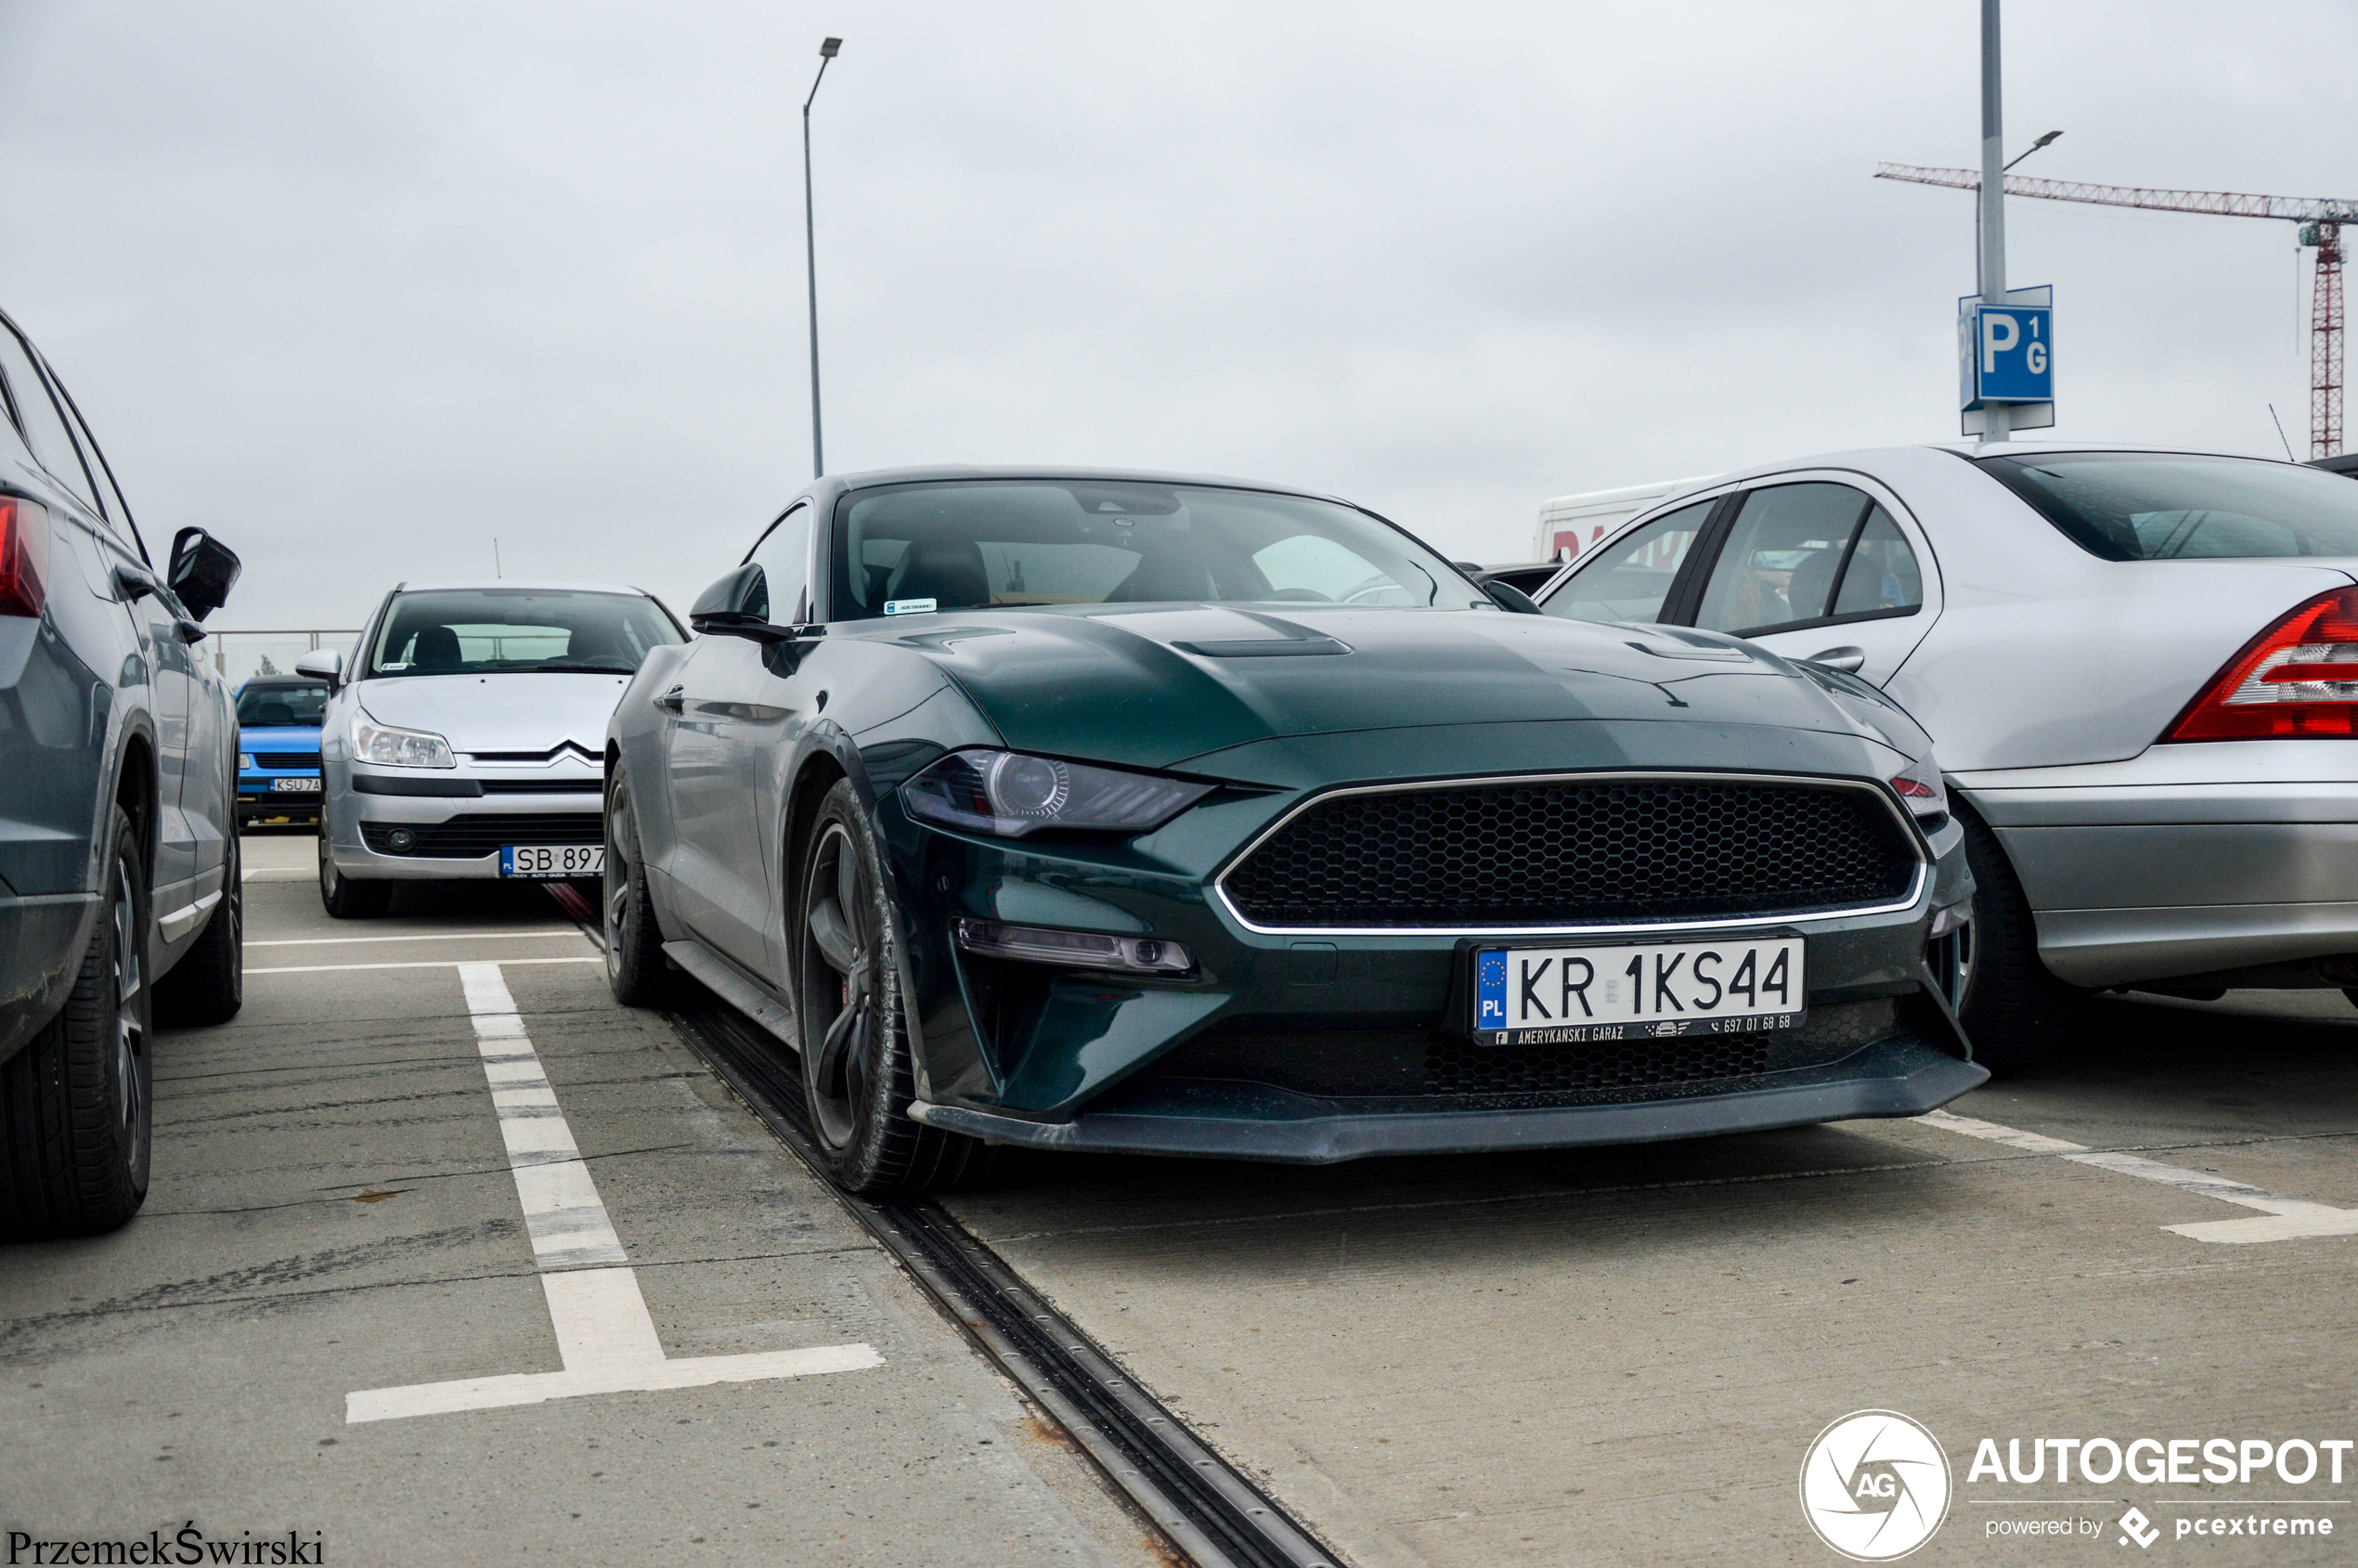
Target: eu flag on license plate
[[1490, 991]]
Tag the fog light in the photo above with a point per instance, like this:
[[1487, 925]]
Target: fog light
[[401, 840], [1084, 950]]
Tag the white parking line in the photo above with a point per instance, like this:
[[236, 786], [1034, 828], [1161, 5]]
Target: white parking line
[[2284, 1219], [426, 936], [605, 1336], [419, 964]]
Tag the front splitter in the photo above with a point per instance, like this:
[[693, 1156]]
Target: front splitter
[[1904, 1076]]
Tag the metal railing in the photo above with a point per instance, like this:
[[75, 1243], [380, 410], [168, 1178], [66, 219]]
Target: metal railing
[[239, 656]]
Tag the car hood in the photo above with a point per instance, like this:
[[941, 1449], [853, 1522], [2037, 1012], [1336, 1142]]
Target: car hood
[[1158, 686], [534, 713]]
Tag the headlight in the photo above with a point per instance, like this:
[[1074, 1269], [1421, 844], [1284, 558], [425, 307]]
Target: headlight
[[372, 741], [1921, 789], [245, 759], [1011, 794]]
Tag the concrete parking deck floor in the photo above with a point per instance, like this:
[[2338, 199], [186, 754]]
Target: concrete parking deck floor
[[1598, 1357], [332, 1211], [1620, 1355]]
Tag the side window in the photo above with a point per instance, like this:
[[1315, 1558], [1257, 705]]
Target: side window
[[1628, 579], [44, 428], [1782, 558], [784, 556], [118, 515], [1883, 577]]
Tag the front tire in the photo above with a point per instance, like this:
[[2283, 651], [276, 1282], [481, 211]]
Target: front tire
[[2014, 1012], [636, 968], [857, 1076], [75, 1112], [346, 897], [208, 986]]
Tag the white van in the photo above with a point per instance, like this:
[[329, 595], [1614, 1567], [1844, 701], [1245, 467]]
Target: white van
[[1571, 524]]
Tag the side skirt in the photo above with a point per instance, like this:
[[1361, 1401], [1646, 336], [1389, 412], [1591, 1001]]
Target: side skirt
[[726, 981]]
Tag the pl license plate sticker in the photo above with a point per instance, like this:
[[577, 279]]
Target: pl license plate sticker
[[1569, 995], [559, 860]]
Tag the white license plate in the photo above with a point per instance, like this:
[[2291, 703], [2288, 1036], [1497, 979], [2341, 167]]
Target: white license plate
[[1544, 995], [294, 786], [552, 860]]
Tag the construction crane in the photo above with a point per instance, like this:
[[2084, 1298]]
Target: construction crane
[[2320, 222]]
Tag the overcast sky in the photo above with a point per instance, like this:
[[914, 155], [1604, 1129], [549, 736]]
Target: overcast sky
[[362, 287]]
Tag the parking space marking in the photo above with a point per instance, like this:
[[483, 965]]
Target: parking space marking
[[2281, 1218], [606, 1338], [426, 936], [420, 964]]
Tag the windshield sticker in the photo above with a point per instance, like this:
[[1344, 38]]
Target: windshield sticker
[[909, 606]]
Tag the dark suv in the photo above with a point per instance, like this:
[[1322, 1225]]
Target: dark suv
[[120, 895]]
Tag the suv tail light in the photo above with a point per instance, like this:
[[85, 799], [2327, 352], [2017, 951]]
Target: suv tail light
[[24, 556], [2299, 678]]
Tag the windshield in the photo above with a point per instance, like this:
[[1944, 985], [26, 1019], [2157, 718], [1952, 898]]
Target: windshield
[[282, 704], [2167, 506], [977, 544], [518, 630]]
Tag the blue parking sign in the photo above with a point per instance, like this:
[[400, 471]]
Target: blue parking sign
[[2012, 349]]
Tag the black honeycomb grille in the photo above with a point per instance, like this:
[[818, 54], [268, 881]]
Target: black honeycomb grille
[[472, 836], [1570, 853], [1614, 1069]]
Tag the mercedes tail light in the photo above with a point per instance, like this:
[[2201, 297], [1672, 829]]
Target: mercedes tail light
[[24, 556], [2299, 678]]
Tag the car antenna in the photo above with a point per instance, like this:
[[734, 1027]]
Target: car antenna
[[498, 573], [2280, 434]]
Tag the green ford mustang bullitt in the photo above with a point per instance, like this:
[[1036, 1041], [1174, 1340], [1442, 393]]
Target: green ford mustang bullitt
[[1112, 811]]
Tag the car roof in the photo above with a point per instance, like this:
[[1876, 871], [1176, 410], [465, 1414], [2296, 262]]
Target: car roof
[[871, 479], [528, 585]]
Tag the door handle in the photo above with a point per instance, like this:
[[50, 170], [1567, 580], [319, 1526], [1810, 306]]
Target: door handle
[[672, 700], [1847, 659]]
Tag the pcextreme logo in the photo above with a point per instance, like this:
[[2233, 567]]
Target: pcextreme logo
[[1874, 1485]]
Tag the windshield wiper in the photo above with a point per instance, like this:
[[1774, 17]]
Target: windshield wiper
[[571, 670]]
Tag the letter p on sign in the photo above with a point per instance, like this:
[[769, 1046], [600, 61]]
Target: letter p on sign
[[1999, 334]]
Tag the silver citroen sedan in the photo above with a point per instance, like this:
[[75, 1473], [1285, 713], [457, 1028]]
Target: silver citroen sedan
[[467, 738], [2141, 669]]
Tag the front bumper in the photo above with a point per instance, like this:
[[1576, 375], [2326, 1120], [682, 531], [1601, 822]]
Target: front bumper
[[355, 815], [1901, 1076], [2186, 860], [1311, 1046]]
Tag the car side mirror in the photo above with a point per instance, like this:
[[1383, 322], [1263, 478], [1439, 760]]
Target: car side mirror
[[324, 663], [1848, 660], [738, 606], [203, 571], [1512, 600]]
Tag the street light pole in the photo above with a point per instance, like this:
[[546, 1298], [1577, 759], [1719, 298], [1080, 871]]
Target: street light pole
[[810, 255], [1994, 420]]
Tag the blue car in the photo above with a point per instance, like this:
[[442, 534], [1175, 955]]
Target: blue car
[[279, 747]]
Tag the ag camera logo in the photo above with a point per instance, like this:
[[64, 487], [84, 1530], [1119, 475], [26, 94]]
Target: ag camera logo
[[1874, 1485]]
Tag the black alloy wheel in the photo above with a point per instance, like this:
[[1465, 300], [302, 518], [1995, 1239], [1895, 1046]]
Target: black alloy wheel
[[76, 1109], [208, 986], [636, 968], [857, 1077], [346, 898], [2014, 1012]]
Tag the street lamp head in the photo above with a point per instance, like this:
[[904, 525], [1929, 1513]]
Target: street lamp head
[[829, 49], [2045, 140]]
